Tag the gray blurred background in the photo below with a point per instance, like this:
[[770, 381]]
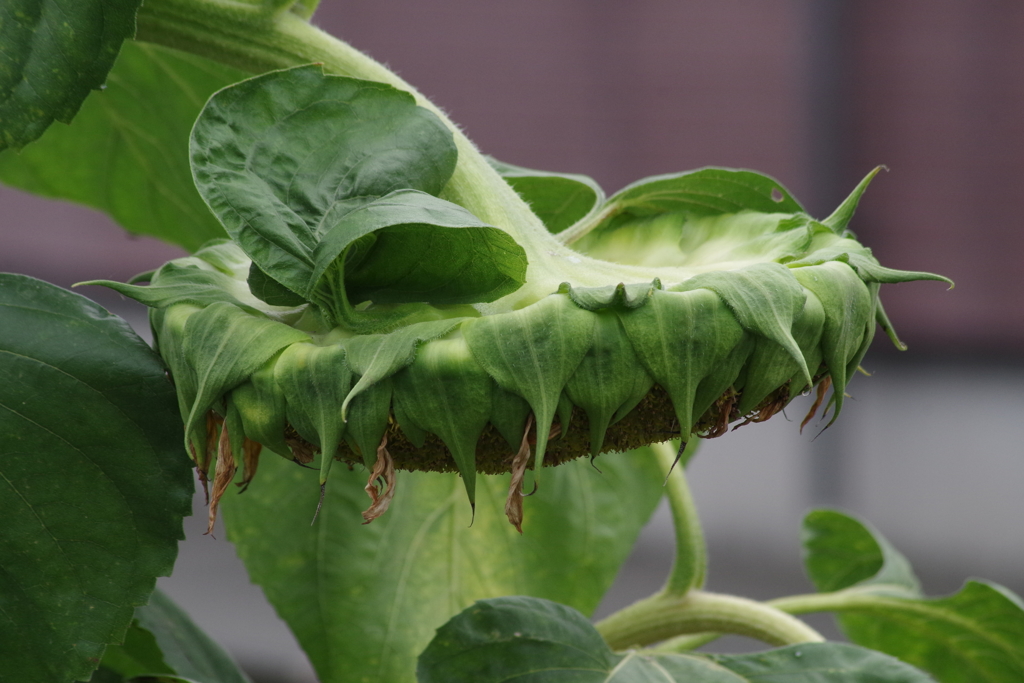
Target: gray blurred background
[[813, 93]]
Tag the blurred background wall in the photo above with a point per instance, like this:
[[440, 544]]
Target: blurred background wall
[[815, 94]]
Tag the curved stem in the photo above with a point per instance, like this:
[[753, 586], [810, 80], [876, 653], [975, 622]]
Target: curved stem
[[664, 616], [690, 564]]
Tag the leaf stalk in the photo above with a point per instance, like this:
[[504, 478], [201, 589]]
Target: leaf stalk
[[665, 616]]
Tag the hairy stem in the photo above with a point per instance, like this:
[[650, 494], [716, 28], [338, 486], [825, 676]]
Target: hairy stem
[[665, 616], [690, 564]]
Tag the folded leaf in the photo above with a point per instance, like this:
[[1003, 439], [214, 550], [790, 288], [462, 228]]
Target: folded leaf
[[425, 250], [282, 157]]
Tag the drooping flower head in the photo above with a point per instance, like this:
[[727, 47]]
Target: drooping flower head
[[375, 308]]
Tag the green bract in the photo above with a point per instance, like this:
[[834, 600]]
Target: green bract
[[361, 310]]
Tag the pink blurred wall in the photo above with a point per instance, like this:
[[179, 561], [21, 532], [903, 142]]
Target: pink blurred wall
[[934, 90]]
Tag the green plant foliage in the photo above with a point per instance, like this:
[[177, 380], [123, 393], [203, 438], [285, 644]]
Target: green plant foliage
[[94, 480], [365, 600], [164, 640], [558, 199], [54, 53], [975, 635], [532, 640], [318, 175], [841, 551], [126, 153]]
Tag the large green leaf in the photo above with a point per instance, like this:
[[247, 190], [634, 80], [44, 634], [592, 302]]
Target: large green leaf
[[55, 52], [93, 480], [126, 153], [364, 600], [976, 635], [536, 641]]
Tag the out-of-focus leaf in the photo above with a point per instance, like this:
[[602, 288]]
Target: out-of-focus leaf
[[126, 153], [93, 481], [841, 551], [533, 641], [975, 635], [55, 52], [138, 654], [364, 600], [183, 647]]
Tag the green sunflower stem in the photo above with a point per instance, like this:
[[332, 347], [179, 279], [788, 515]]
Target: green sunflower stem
[[665, 616], [681, 608], [690, 564]]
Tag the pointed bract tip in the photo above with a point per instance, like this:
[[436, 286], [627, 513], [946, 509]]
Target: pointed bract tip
[[840, 218]]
